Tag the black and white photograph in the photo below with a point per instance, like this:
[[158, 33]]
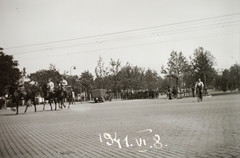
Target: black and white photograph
[[119, 78]]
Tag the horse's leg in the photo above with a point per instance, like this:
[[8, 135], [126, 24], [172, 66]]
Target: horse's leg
[[17, 107], [35, 106], [55, 102], [59, 103], [69, 102], [44, 104], [63, 100], [50, 103], [26, 104]]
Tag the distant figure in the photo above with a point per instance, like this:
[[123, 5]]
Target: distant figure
[[174, 92], [169, 93], [199, 89], [179, 96], [73, 97], [193, 90]]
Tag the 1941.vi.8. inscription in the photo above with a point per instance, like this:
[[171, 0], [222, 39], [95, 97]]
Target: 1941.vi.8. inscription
[[136, 141]]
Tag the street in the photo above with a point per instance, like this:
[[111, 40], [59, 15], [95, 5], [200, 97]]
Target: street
[[151, 128]]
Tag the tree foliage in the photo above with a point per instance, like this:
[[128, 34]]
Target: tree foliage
[[202, 63], [86, 79], [100, 72], [9, 73], [176, 66], [42, 76]]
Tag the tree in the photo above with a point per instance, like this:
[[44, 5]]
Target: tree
[[100, 72], [42, 76], [151, 80], [114, 79], [75, 83], [234, 76], [177, 64], [9, 73], [86, 81], [125, 77], [203, 62], [225, 80]]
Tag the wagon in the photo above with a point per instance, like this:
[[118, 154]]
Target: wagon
[[99, 95]]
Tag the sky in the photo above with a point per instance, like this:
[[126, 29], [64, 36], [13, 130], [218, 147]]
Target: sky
[[142, 32]]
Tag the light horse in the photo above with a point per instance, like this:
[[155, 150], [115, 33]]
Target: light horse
[[45, 93], [31, 92]]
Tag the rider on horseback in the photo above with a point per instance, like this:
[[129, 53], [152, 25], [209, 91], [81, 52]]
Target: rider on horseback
[[64, 84], [20, 84], [50, 86]]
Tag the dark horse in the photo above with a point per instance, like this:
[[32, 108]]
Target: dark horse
[[199, 90], [60, 95], [69, 95], [47, 95], [31, 92]]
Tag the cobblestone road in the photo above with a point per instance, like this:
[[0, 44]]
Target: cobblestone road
[[151, 128]]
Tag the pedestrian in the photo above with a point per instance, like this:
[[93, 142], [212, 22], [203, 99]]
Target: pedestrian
[[169, 93], [193, 90]]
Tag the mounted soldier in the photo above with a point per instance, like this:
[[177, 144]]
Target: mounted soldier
[[50, 86], [64, 85], [21, 86]]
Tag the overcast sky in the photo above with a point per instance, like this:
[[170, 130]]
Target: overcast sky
[[142, 32]]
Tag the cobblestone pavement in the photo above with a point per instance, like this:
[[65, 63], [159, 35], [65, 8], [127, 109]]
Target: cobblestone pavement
[[151, 128]]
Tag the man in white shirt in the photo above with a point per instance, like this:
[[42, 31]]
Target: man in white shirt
[[50, 85], [199, 84], [21, 87], [199, 87], [64, 84]]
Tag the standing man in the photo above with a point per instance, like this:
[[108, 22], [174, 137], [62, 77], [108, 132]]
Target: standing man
[[193, 89]]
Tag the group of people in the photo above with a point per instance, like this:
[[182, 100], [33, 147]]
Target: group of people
[[50, 85], [175, 93]]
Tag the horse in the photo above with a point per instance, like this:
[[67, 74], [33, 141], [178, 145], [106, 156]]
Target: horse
[[199, 93], [30, 93], [69, 95], [60, 95], [48, 96]]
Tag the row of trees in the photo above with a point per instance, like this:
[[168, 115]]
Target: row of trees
[[228, 79], [185, 72], [114, 77]]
